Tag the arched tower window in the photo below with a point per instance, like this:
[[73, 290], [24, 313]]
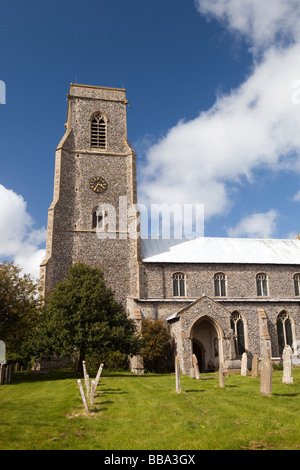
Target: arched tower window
[[284, 331], [297, 284], [237, 325], [97, 219], [179, 286], [98, 131], [220, 284], [262, 285]]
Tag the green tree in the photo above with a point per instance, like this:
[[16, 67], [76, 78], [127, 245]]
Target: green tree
[[82, 317], [19, 308], [157, 349]]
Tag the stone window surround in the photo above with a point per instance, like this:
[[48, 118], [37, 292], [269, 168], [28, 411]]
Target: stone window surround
[[99, 216], [104, 117], [296, 279], [264, 278], [177, 273], [236, 316], [219, 279], [293, 330]]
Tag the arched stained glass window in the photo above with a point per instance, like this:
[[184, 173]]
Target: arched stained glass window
[[284, 331], [237, 325]]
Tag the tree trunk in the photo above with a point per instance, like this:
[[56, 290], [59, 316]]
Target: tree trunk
[[78, 364]]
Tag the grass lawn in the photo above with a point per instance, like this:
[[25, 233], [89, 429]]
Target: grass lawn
[[45, 412]]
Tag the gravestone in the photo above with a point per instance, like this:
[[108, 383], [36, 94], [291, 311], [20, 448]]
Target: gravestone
[[2, 373], [2, 352], [177, 375], [196, 367], [287, 377], [296, 354], [266, 374], [244, 364], [221, 376], [232, 353], [254, 371]]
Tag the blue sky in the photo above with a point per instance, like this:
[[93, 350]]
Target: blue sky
[[200, 78]]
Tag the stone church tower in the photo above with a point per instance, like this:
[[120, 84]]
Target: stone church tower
[[95, 166]]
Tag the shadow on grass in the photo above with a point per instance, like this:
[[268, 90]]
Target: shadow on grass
[[292, 395], [113, 391], [131, 375], [69, 374], [40, 376]]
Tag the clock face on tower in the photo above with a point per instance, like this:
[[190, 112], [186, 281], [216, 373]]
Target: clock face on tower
[[98, 184]]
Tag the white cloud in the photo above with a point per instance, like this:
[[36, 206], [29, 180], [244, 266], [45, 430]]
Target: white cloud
[[19, 240], [259, 225], [254, 126], [261, 22], [296, 197]]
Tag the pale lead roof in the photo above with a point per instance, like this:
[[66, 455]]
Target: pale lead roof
[[221, 250]]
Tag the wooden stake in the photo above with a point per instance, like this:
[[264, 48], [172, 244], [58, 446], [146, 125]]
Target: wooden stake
[[82, 394], [86, 379], [98, 375], [93, 388]]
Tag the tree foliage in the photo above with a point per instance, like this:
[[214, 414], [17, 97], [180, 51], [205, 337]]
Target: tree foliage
[[82, 317], [19, 308], [157, 345]]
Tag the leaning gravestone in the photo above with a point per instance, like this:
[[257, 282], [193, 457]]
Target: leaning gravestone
[[287, 365], [266, 374], [196, 367]]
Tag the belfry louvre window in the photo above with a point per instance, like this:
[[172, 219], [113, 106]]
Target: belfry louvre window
[[284, 331], [178, 284], [98, 131], [262, 285], [220, 284], [297, 284]]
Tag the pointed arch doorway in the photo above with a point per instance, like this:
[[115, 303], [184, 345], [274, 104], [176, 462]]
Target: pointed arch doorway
[[206, 341]]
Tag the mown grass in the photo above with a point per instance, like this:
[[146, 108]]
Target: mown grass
[[145, 413]]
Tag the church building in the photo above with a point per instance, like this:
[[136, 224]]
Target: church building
[[221, 297]]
